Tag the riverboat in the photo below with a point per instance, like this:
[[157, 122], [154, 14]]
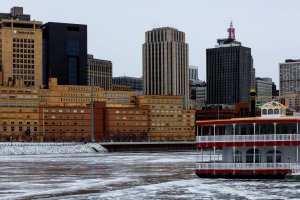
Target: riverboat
[[253, 147]]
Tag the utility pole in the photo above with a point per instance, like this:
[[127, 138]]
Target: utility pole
[[92, 105]]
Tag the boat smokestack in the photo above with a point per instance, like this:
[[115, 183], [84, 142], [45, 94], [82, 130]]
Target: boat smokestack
[[253, 102]]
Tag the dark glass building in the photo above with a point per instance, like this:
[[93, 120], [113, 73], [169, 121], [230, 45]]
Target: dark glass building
[[65, 53], [136, 84], [228, 71]]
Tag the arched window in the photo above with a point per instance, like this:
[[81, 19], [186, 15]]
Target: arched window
[[250, 156], [264, 111], [276, 111], [270, 111], [238, 157], [270, 156]]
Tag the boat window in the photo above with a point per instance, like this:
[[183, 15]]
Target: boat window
[[264, 111], [250, 156], [270, 156], [276, 111], [270, 111], [238, 157]]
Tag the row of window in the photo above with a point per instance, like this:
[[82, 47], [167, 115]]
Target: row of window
[[132, 124], [166, 101], [20, 123], [130, 112], [20, 129], [23, 45], [23, 61], [19, 96], [67, 130], [67, 123], [20, 104], [23, 51], [130, 118], [60, 117], [19, 91], [23, 40], [61, 110]]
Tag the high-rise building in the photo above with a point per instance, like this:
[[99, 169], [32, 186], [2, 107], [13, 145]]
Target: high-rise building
[[65, 53], [165, 63], [264, 87], [136, 84], [193, 72], [228, 71], [253, 80], [16, 13], [20, 49], [289, 73], [100, 71]]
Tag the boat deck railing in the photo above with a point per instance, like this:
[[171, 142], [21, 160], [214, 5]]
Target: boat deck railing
[[247, 166], [249, 138]]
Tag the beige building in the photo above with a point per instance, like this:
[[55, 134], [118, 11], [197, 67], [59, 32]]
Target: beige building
[[79, 95], [19, 115], [20, 51], [166, 63], [167, 118], [100, 71]]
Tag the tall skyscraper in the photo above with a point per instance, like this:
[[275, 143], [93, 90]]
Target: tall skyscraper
[[100, 71], [20, 49], [228, 71], [193, 72], [289, 79], [165, 63], [65, 53]]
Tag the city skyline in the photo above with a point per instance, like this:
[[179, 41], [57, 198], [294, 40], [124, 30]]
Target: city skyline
[[116, 34]]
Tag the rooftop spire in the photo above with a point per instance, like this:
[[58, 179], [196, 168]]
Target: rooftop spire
[[231, 32]]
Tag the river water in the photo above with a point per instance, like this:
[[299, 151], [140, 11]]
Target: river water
[[126, 176]]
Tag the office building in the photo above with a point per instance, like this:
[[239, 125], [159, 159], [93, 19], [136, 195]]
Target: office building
[[167, 118], [264, 87], [165, 63], [289, 77], [20, 49], [136, 84], [100, 71], [228, 71], [65, 53], [193, 72], [16, 13]]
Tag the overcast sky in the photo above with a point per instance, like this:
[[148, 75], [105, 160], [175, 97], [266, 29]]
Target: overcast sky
[[116, 28]]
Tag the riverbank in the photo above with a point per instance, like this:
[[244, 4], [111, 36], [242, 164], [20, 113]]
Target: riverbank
[[28, 148]]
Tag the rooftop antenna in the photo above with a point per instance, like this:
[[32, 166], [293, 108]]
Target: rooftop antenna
[[231, 31]]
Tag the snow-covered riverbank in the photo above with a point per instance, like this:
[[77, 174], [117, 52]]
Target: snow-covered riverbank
[[17, 148]]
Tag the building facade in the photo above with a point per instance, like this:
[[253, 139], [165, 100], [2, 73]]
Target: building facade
[[289, 77], [20, 49], [193, 72], [65, 53], [19, 116], [135, 84], [264, 87], [167, 118], [126, 124], [228, 71], [165, 63], [100, 71]]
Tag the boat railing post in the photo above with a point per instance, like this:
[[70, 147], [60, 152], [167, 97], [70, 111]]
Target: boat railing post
[[275, 156], [254, 156], [297, 146]]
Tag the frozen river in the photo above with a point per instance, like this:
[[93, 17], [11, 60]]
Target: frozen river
[[125, 176]]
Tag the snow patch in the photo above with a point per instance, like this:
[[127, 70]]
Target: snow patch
[[49, 148]]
